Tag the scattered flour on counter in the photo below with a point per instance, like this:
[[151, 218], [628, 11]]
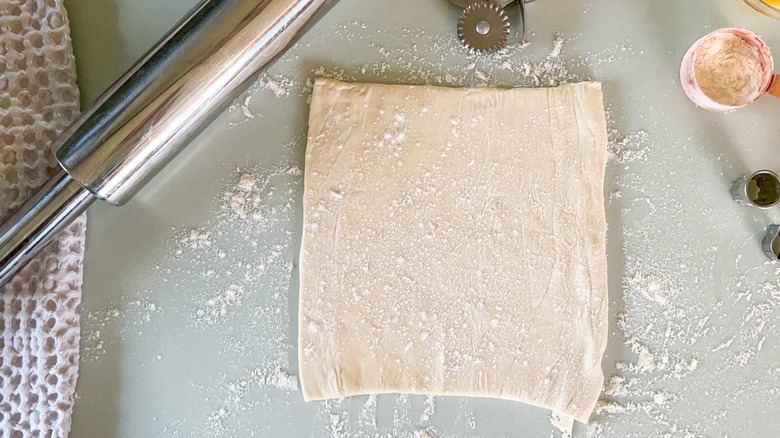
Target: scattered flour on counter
[[563, 424], [279, 86], [557, 46], [217, 307], [669, 330], [614, 194], [616, 386], [402, 415], [192, 239], [333, 419], [282, 379], [294, 170], [245, 108], [650, 287], [367, 418], [338, 423], [239, 394], [612, 408], [115, 321], [244, 198], [429, 409], [465, 419], [424, 433], [423, 58], [92, 344], [228, 278], [243, 279], [624, 149], [246, 183], [551, 71], [660, 398], [646, 360]]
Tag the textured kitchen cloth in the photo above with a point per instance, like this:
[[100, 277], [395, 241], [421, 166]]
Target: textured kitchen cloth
[[39, 323]]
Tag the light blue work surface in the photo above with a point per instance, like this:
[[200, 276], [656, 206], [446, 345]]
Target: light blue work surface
[[153, 367]]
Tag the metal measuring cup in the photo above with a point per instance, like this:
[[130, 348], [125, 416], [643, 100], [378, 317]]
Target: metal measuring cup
[[759, 189], [771, 242]]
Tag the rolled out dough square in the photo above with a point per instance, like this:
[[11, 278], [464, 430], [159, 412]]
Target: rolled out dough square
[[454, 243]]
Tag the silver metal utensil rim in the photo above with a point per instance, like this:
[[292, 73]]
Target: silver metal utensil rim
[[745, 181], [465, 33], [769, 238]]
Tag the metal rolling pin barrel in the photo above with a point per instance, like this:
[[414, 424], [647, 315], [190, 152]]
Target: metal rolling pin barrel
[[153, 111]]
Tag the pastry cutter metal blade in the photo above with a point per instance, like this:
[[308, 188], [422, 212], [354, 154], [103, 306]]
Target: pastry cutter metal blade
[[482, 31]]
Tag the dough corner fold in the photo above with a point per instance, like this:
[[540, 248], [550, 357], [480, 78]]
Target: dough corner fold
[[454, 243]]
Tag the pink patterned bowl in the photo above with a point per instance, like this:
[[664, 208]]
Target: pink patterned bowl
[[770, 83]]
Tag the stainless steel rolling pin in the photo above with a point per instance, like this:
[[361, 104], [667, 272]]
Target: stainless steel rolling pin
[[153, 111]]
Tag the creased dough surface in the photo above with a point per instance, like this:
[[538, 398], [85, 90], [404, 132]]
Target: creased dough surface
[[454, 243]]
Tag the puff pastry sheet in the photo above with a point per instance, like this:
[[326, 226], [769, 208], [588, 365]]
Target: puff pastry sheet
[[454, 243]]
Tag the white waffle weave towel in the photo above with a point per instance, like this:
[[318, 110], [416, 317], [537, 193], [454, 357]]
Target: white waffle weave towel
[[39, 323]]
